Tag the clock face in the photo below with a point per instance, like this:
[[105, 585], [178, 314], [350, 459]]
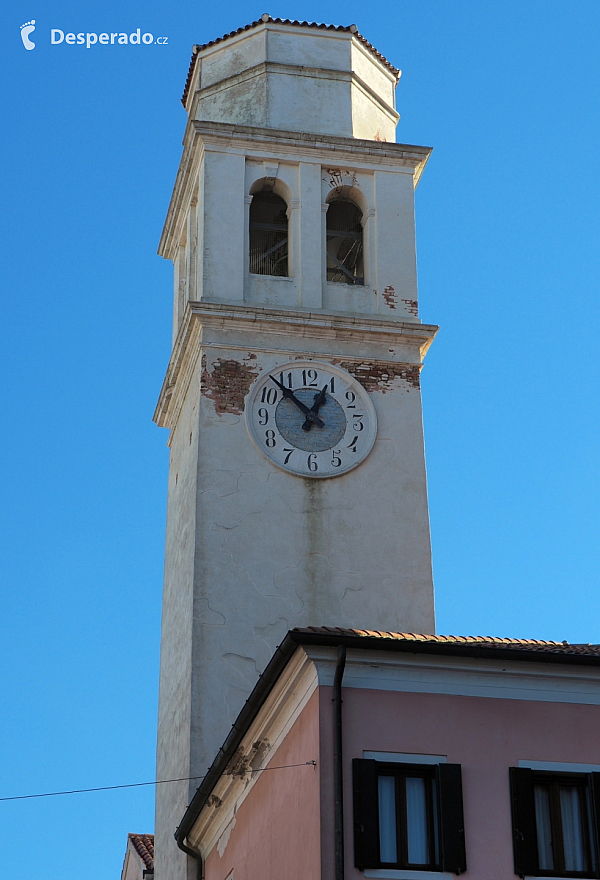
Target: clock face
[[311, 419]]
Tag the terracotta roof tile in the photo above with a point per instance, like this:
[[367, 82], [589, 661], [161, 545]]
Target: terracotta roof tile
[[563, 648], [352, 29], [144, 847]]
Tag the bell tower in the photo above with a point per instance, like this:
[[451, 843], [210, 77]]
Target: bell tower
[[297, 488]]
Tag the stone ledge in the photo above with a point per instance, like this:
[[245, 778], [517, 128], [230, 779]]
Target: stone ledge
[[294, 325]]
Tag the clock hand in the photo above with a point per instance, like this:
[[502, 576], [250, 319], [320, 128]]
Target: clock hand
[[319, 399], [311, 416]]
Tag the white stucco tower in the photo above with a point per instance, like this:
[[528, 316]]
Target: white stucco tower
[[297, 488]]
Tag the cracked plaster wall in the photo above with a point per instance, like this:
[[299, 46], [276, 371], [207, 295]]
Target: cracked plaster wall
[[274, 551]]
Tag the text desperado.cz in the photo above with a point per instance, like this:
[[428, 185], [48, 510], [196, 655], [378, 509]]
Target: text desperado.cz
[[88, 40]]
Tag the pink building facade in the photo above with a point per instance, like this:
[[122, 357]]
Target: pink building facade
[[466, 756]]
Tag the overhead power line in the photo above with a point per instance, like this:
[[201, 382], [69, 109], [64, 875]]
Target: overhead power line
[[23, 797]]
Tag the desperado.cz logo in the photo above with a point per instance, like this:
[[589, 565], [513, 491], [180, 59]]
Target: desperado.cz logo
[[110, 39], [58, 36], [26, 29]]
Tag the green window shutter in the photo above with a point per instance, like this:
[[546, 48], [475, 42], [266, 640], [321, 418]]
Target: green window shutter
[[366, 822], [452, 823], [523, 821]]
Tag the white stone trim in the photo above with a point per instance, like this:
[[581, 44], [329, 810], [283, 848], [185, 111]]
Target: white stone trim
[[390, 874], [293, 205], [317, 324], [462, 676], [271, 170], [560, 767], [338, 151], [278, 713], [404, 758]]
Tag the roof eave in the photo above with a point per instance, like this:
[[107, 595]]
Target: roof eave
[[297, 638]]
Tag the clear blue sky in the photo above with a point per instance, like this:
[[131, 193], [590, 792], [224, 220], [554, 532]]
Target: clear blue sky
[[509, 262]]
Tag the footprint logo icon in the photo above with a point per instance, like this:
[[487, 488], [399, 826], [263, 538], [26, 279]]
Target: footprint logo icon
[[27, 29]]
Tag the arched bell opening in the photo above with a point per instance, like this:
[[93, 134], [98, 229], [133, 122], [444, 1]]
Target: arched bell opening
[[268, 247], [344, 242]]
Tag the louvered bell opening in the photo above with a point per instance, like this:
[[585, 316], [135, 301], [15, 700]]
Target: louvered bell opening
[[344, 243], [268, 235]]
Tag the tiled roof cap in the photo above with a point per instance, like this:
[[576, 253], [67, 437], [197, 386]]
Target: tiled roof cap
[[144, 847], [351, 29], [464, 641]]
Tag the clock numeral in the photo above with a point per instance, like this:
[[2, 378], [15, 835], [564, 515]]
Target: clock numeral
[[283, 382], [289, 453], [357, 425], [350, 397], [269, 395], [351, 446], [309, 378], [312, 462], [270, 439], [335, 457], [263, 416], [332, 385]]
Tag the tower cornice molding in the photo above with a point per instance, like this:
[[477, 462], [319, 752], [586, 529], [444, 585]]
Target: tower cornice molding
[[324, 335], [343, 149]]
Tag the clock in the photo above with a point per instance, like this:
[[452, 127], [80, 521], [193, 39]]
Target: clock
[[311, 419]]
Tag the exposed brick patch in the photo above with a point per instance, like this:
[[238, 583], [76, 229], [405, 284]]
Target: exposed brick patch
[[389, 296], [226, 383], [412, 306], [380, 375]]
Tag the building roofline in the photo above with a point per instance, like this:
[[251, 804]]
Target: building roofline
[[474, 647], [267, 19], [143, 844]]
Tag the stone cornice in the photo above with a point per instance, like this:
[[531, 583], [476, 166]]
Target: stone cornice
[[286, 323], [282, 145], [362, 152]]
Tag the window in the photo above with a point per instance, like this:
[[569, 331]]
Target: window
[[555, 823], [408, 816], [268, 235], [344, 242]]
